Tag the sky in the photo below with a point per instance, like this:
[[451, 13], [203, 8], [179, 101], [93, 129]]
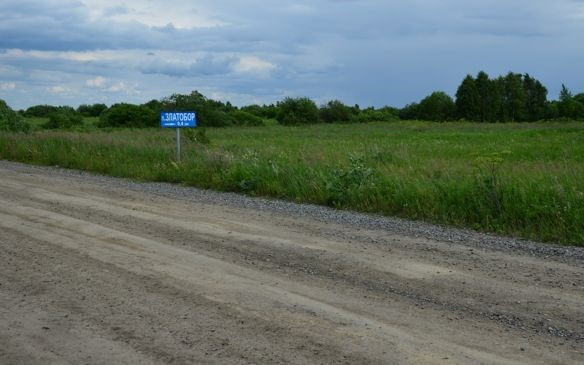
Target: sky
[[366, 52]]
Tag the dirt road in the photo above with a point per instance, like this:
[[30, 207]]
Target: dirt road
[[103, 271]]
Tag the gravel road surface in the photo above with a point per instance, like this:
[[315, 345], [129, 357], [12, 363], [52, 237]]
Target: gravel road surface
[[97, 270]]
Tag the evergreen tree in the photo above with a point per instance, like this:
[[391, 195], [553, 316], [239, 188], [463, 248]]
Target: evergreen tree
[[513, 98], [536, 98], [565, 93], [494, 104], [483, 85], [467, 99]]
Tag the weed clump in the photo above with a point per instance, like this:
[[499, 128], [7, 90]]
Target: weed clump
[[12, 121]]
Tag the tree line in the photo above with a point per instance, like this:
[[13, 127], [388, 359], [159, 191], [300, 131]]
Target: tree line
[[510, 98]]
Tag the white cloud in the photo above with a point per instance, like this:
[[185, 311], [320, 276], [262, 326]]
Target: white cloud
[[5, 86], [122, 87], [99, 82], [183, 14], [104, 84], [57, 89], [252, 64], [300, 9]]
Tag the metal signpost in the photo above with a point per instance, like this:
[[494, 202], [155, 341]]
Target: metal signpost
[[178, 120]]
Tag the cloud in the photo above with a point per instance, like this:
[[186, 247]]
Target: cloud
[[187, 65], [122, 87], [252, 64], [359, 51], [57, 89], [6, 86], [104, 84], [98, 82]]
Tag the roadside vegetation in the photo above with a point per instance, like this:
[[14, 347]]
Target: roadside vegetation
[[523, 178]]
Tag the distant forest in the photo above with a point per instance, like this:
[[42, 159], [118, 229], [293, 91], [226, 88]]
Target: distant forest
[[510, 98]]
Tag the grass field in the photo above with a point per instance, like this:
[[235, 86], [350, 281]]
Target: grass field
[[525, 180]]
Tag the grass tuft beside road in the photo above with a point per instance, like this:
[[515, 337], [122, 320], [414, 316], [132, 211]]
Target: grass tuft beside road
[[525, 180]]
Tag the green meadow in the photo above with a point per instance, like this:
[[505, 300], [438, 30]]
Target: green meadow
[[519, 179]]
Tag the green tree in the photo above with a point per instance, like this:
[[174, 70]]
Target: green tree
[[579, 98], [336, 112], [294, 111], [569, 107], [467, 99], [210, 113], [410, 112], [40, 111], [565, 93], [536, 98], [94, 110], [154, 105], [438, 106], [129, 116], [513, 98], [483, 84]]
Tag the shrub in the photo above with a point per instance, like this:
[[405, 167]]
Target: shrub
[[91, 110], [209, 112], [294, 111], [335, 112], [241, 117], [129, 116], [10, 120], [410, 112], [40, 111], [376, 115], [63, 119], [345, 182]]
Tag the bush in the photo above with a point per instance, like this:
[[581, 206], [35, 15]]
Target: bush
[[410, 112], [264, 111], [129, 116], [45, 111], [10, 120], [294, 111], [376, 115], [335, 112], [210, 113], [40, 111], [241, 117], [63, 119], [91, 110]]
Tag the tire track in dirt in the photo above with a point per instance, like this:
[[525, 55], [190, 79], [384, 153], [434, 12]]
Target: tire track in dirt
[[327, 293]]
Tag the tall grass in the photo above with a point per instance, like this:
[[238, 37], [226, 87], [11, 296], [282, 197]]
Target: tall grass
[[525, 180]]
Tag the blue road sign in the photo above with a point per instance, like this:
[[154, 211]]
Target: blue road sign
[[178, 119]]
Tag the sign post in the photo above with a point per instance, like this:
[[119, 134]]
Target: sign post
[[178, 145], [178, 120]]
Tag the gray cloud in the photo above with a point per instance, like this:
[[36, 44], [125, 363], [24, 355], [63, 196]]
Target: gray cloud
[[204, 66], [366, 51]]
